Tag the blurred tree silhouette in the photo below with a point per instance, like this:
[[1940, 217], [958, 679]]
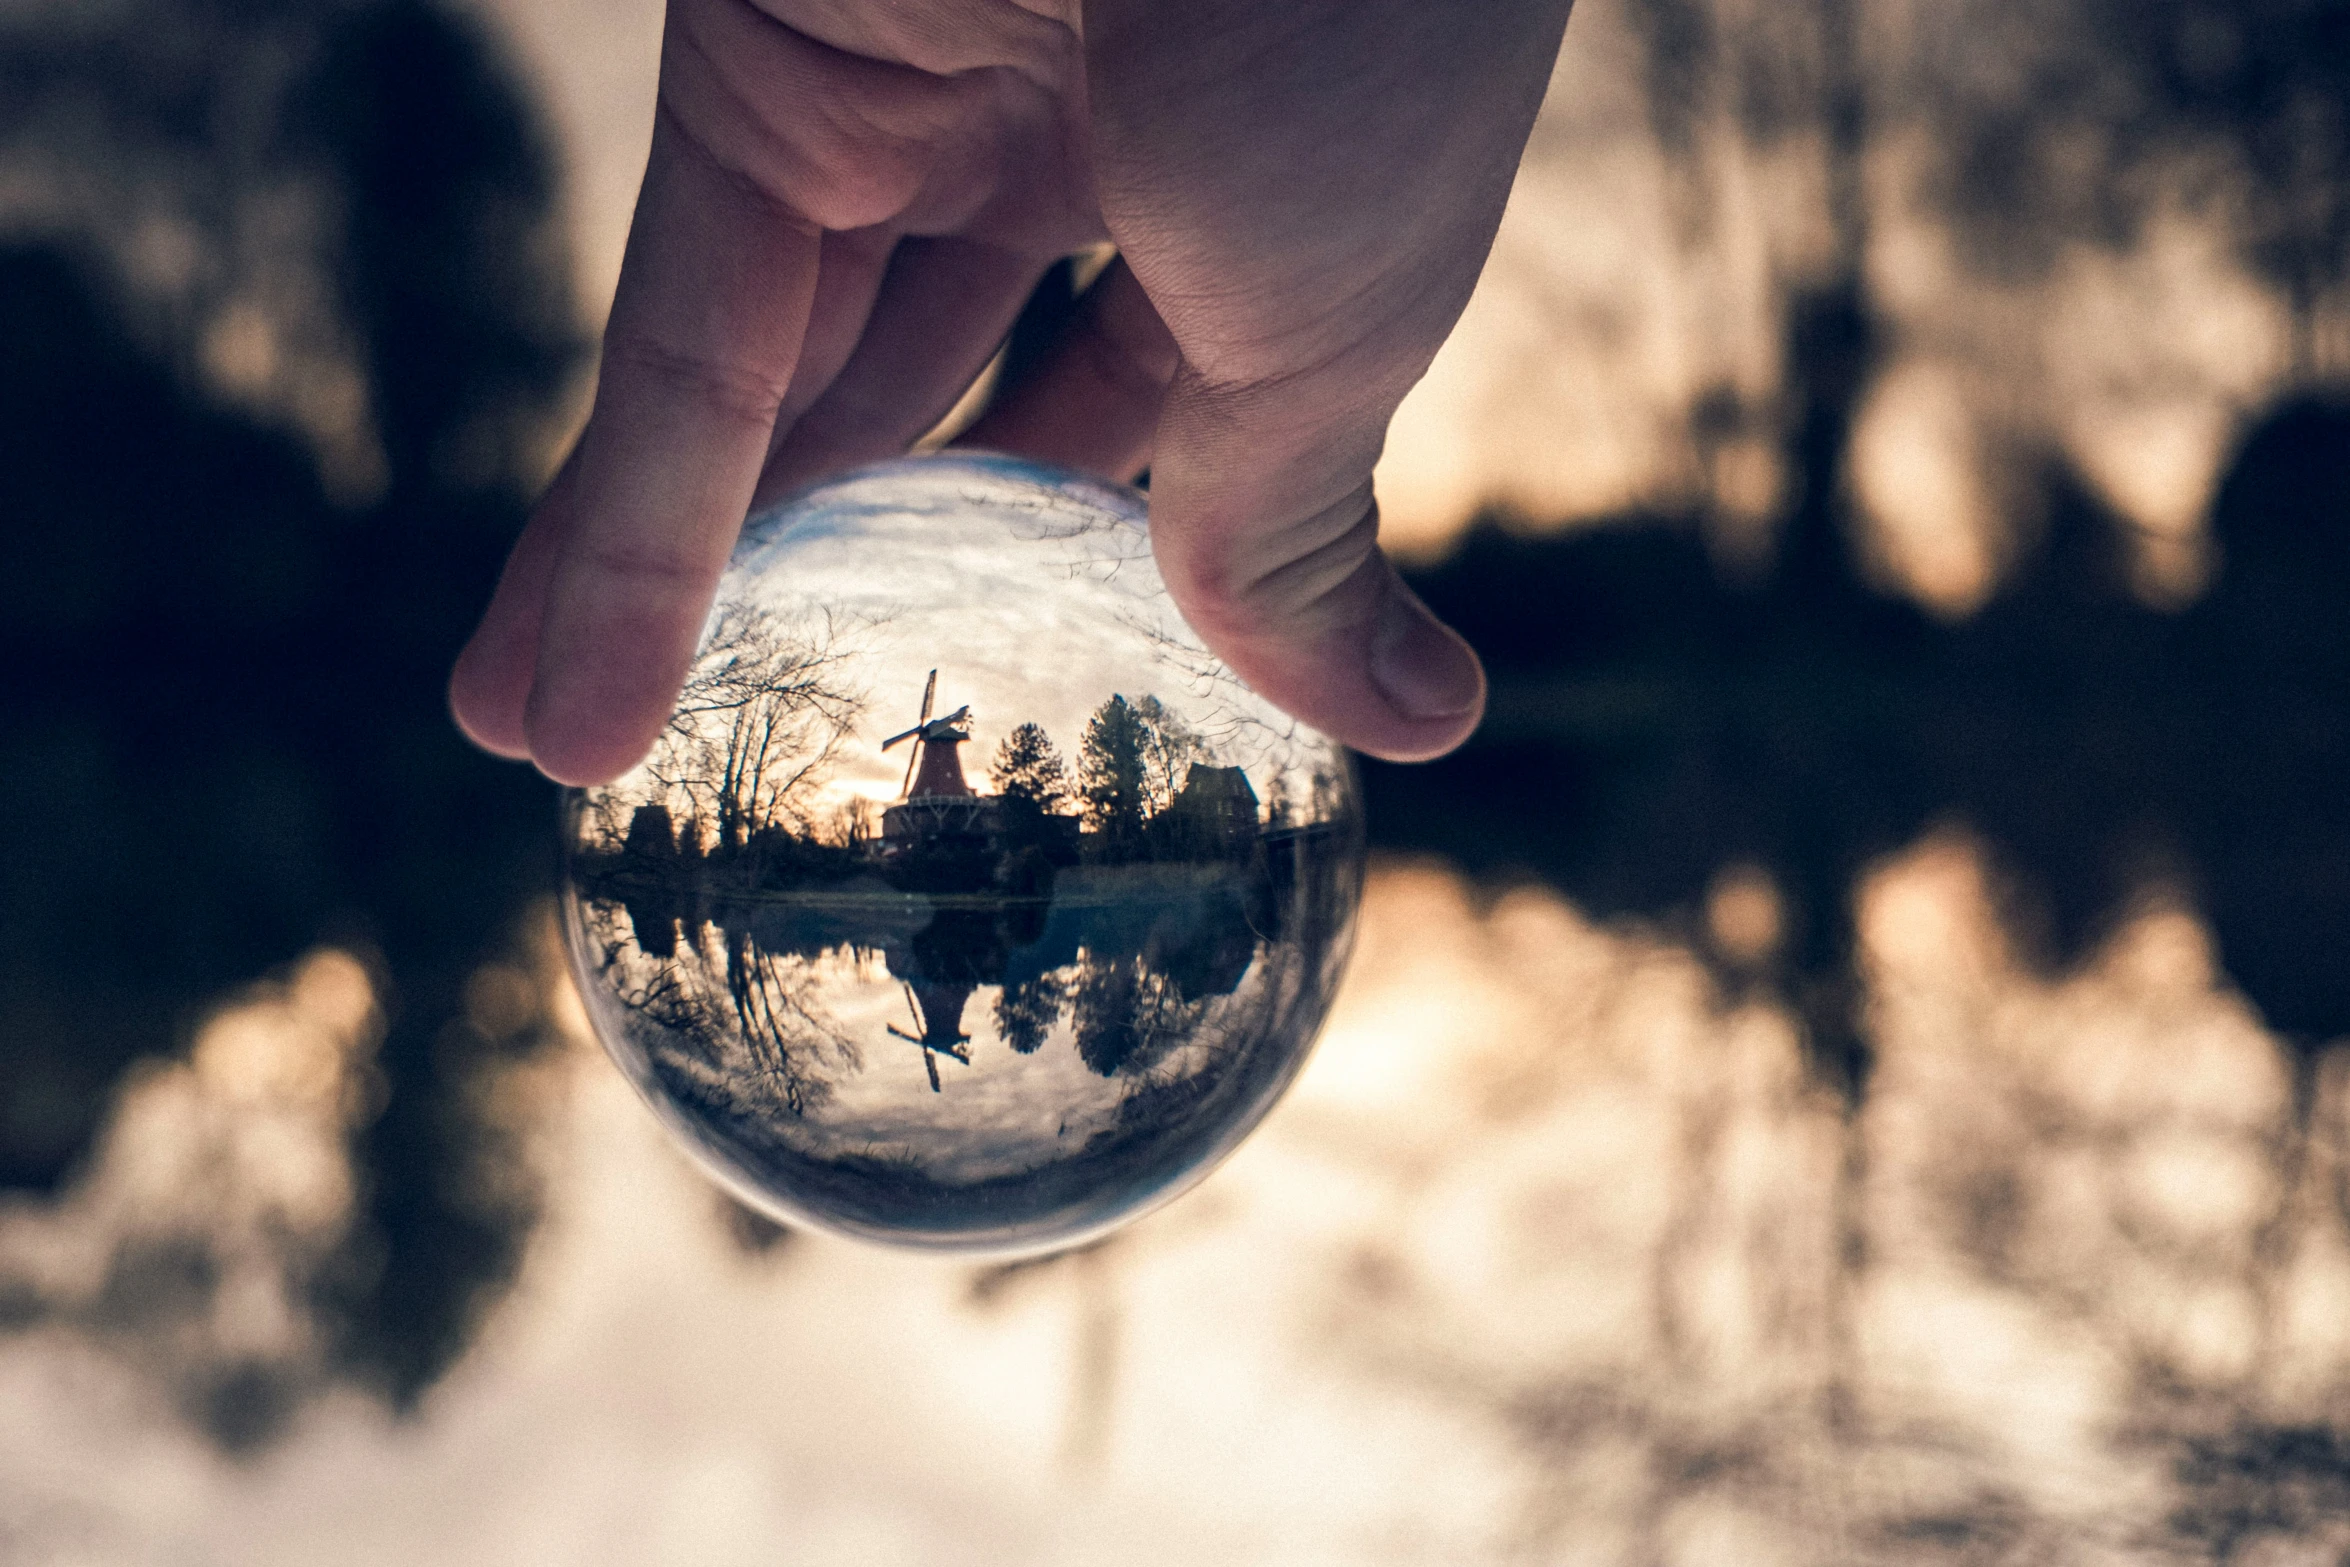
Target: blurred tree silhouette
[[452, 275], [227, 695], [1653, 723], [2043, 126], [2076, 120]]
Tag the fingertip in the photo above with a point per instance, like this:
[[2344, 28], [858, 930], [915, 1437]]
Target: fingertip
[[1382, 725], [490, 682], [1419, 739], [1353, 652], [481, 709], [1432, 680], [1334, 690], [489, 685], [611, 656], [584, 745], [605, 687], [1408, 692]]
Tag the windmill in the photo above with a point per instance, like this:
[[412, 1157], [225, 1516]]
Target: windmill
[[940, 1031], [934, 754]]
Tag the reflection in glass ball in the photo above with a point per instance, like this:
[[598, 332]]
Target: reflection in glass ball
[[967, 902]]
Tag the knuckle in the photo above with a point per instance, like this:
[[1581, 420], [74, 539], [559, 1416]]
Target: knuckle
[[846, 177], [838, 140], [1241, 580]]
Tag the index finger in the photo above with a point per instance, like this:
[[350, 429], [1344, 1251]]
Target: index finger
[[706, 328]]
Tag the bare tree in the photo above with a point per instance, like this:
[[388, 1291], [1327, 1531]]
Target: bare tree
[[853, 821], [779, 1022], [760, 722], [1169, 748], [709, 1005]]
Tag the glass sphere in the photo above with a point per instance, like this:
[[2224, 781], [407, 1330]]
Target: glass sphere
[[967, 902]]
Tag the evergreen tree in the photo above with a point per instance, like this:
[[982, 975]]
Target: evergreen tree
[[652, 836], [1028, 769], [1113, 773], [1109, 1006], [1026, 1012]]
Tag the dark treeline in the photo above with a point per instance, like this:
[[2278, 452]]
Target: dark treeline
[[740, 772], [223, 714], [1652, 725]]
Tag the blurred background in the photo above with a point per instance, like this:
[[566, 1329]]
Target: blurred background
[[1845, 1067]]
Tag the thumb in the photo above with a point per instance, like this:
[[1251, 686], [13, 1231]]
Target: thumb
[[1267, 533]]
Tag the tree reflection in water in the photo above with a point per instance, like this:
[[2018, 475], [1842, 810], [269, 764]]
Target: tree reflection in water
[[1171, 982], [1171, 985]]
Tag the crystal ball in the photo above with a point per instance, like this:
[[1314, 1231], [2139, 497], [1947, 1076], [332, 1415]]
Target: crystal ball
[[967, 902]]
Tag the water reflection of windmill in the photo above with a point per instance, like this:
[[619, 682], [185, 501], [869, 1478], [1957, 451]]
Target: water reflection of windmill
[[938, 1027], [938, 802]]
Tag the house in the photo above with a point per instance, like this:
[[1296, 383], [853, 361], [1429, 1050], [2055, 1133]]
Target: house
[[1213, 815]]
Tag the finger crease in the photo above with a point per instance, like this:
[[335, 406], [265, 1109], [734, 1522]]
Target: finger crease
[[730, 388], [644, 561], [1313, 574]]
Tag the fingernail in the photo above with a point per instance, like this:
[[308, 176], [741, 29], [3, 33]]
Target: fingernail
[[1422, 667]]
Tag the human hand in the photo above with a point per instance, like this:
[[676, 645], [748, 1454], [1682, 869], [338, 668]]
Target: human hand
[[847, 202]]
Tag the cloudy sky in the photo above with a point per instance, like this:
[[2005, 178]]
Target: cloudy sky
[[1035, 599]]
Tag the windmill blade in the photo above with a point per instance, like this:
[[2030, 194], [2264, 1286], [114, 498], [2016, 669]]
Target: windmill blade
[[929, 690], [913, 757], [929, 1061], [913, 1007]]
